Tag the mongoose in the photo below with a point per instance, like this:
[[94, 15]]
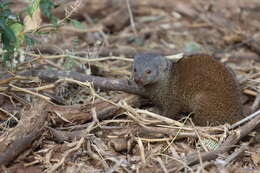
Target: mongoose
[[196, 83]]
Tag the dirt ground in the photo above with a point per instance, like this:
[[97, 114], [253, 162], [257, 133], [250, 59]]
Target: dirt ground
[[68, 126]]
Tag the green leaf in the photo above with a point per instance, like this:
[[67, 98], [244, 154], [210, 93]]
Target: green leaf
[[4, 4], [46, 6], [68, 63], [77, 24], [7, 45], [209, 143], [28, 40], [54, 19], [192, 47], [17, 28], [136, 40], [33, 6], [6, 13], [10, 31], [8, 35], [7, 55]]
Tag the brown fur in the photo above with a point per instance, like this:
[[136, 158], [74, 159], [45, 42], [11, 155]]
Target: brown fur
[[199, 84]]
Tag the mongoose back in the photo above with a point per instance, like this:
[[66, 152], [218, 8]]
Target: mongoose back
[[196, 83]]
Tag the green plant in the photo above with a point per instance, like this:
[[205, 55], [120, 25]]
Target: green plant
[[12, 30], [46, 6]]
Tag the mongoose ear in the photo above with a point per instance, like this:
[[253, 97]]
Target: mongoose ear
[[138, 55], [164, 64]]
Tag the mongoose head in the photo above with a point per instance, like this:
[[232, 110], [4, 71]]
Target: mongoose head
[[149, 68]]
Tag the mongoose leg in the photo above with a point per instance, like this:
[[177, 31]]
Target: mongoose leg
[[172, 110]]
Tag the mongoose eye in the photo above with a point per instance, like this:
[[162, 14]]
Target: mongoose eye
[[148, 71]]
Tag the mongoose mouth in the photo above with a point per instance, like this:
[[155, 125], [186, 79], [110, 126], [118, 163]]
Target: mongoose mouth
[[139, 81], [142, 83]]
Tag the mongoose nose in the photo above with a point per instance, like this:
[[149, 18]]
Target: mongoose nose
[[139, 80]]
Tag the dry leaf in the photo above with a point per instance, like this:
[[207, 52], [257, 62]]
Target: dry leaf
[[256, 158], [32, 22]]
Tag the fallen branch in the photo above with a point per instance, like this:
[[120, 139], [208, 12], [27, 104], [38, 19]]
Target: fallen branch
[[82, 113], [257, 113], [230, 142], [76, 146], [17, 140], [99, 82]]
